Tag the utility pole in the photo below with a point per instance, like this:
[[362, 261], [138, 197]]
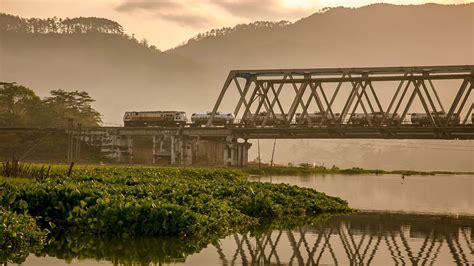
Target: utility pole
[[78, 142], [273, 152], [259, 159], [70, 141]]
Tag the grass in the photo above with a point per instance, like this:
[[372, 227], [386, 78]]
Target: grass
[[321, 170]]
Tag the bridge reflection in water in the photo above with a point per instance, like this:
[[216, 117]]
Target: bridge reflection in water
[[358, 239]]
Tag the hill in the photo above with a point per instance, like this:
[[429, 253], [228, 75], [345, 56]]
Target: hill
[[118, 71], [375, 35], [122, 73]]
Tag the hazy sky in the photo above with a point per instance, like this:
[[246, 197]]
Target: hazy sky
[[167, 23]]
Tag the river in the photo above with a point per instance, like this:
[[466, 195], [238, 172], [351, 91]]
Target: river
[[415, 220]]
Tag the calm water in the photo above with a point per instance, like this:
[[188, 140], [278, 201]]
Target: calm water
[[436, 228], [439, 194]]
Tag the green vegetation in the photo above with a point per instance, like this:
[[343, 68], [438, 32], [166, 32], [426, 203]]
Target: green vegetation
[[305, 169], [19, 235], [20, 106], [195, 203]]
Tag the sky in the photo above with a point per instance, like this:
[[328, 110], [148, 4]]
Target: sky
[[168, 23]]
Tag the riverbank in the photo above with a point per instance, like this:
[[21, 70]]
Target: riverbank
[[194, 203], [321, 170]]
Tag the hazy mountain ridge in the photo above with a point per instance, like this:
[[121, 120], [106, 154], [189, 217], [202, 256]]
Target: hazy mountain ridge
[[374, 35], [190, 76]]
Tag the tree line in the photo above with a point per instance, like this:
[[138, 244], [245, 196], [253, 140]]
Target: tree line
[[59, 25], [54, 25], [21, 107], [240, 27]]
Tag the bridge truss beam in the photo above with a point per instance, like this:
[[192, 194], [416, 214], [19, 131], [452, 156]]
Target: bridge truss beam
[[260, 94]]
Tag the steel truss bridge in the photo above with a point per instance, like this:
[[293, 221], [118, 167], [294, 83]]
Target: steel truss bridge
[[339, 93], [336, 94]]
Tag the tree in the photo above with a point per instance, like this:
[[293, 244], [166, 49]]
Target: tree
[[18, 105], [74, 105]]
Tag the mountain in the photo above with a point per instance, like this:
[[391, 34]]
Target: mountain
[[374, 35], [94, 54]]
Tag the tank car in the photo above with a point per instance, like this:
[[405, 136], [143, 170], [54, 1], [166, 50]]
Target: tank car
[[331, 121], [441, 118], [390, 119], [358, 119], [154, 118], [316, 118], [376, 118], [199, 119], [263, 118]]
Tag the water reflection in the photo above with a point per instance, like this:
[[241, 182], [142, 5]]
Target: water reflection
[[358, 239], [355, 239]]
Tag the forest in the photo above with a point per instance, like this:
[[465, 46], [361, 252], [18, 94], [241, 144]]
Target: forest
[[59, 25]]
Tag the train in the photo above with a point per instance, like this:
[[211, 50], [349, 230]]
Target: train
[[179, 118]]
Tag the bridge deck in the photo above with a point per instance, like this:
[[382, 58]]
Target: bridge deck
[[404, 132]]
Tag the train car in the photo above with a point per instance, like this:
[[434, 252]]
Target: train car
[[390, 119], [199, 119], [332, 121], [358, 119], [422, 119], [376, 119], [263, 119], [316, 118], [154, 118]]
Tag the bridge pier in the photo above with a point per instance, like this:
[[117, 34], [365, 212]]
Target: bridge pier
[[236, 153], [188, 150], [171, 147]]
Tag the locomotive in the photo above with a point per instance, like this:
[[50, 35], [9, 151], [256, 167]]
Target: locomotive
[[199, 119], [154, 118], [441, 118]]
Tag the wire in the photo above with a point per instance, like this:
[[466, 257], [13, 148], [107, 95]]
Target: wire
[[403, 147], [429, 144]]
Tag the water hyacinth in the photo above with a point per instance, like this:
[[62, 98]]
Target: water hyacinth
[[151, 201]]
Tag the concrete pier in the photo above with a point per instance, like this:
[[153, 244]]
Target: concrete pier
[[175, 147]]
